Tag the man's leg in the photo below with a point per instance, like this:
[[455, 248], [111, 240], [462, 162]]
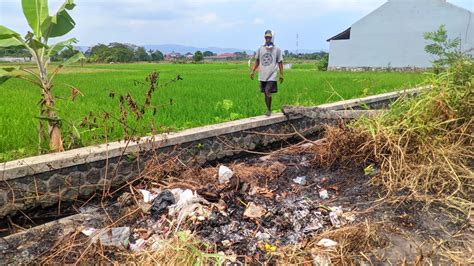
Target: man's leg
[[268, 98]]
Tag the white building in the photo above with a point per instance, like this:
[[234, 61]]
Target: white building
[[392, 35]]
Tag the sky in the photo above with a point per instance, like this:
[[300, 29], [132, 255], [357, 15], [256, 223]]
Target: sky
[[205, 23]]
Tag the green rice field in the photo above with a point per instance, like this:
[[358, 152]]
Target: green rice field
[[208, 94]]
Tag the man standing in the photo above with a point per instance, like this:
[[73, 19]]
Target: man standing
[[269, 59]]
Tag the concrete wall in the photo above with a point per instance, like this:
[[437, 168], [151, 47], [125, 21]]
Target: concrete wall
[[45, 180], [392, 35]]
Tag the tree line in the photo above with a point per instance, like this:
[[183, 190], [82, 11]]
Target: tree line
[[126, 53], [122, 53], [307, 56]]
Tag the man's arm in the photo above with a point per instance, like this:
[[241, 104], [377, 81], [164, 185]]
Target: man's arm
[[252, 74], [280, 65]]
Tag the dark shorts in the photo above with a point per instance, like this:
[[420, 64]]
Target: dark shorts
[[272, 86]]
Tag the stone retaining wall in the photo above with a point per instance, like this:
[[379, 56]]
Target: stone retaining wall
[[48, 179]]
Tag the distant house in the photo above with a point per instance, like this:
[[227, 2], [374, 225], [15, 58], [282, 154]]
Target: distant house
[[221, 57], [11, 59], [392, 35], [189, 56], [173, 56]]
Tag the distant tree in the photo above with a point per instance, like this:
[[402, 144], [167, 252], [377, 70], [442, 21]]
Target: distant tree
[[66, 53], [241, 55], [150, 51], [208, 53], [313, 56], [15, 52], [198, 56], [114, 52], [121, 53], [286, 53], [140, 54], [157, 56]]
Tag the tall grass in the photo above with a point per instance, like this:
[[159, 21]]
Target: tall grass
[[423, 145]]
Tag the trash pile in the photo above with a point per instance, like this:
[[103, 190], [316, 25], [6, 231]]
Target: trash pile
[[247, 208], [282, 208]]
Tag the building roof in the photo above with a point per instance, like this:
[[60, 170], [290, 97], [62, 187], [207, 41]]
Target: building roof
[[227, 55], [345, 35]]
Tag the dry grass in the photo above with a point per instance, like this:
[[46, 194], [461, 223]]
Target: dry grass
[[355, 244], [423, 146], [181, 249]]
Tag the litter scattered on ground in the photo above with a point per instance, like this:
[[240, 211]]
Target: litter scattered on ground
[[324, 194], [147, 195], [254, 211], [116, 237], [301, 180], [161, 203], [249, 210], [89, 231], [225, 174], [327, 243], [139, 245]]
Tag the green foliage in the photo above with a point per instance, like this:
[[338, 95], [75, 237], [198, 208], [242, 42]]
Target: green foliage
[[15, 52], [141, 55], [198, 56], [114, 52], [65, 54], [323, 63], [240, 55], [157, 56], [447, 51], [307, 56], [121, 53], [44, 27], [208, 53]]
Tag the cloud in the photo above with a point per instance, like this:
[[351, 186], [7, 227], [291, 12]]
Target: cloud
[[259, 21], [207, 18], [204, 22], [306, 9]]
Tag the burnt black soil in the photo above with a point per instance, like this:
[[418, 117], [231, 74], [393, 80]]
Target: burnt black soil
[[295, 213]]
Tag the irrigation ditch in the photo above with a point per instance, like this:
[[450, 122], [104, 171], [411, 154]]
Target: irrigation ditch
[[247, 192]]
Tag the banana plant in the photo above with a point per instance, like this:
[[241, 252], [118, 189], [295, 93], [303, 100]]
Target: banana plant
[[43, 28]]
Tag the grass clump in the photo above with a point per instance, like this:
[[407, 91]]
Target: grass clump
[[182, 248], [422, 146]]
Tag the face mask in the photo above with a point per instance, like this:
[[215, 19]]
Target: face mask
[[271, 43]]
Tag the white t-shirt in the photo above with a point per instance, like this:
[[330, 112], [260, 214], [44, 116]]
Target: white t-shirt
[[269, 60]]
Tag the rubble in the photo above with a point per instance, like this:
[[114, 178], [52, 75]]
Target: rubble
[[323, 194], [301, 180], [254, 211], [225, 174]]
